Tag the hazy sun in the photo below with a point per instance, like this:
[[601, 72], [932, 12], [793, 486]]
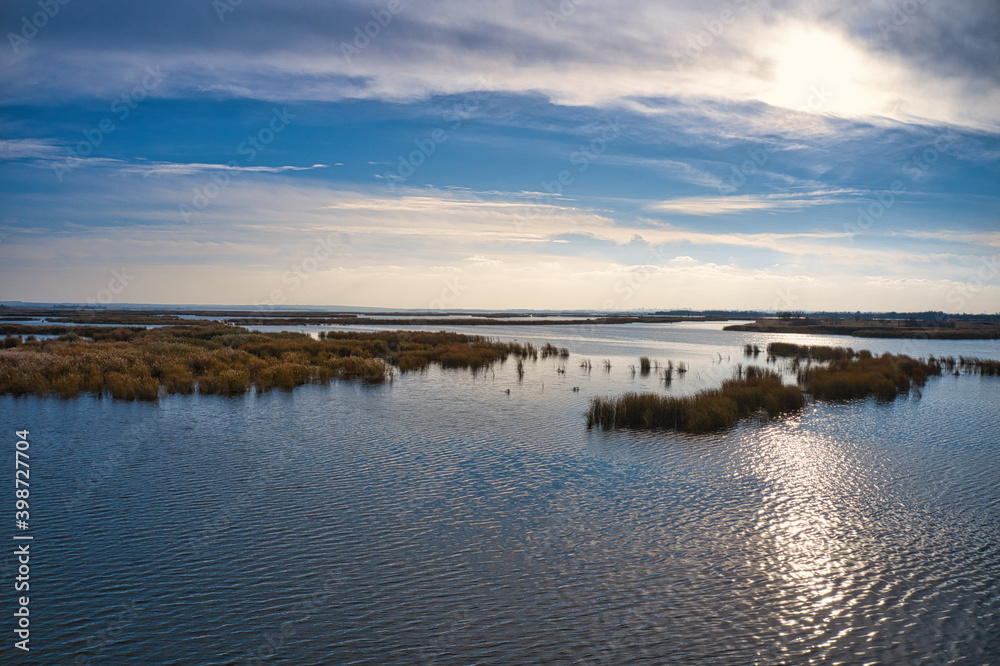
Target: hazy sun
[[821, 72]]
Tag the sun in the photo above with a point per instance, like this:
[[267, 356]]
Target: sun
[[821, 72]]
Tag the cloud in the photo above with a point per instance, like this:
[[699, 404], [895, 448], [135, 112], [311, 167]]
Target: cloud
[[728, 205], [186, 169], [831, 101], [17, 149], [938, 66], [681, 171], [47, 152], [396, 250]]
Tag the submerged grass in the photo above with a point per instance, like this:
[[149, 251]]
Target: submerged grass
[[979, 366], [837, 374], [137, 364], [758, 390], [849, 375], [884, 377]]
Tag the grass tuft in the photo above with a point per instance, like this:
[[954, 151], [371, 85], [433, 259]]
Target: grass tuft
[[758, 390]]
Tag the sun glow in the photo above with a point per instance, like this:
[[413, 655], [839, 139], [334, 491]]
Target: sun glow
[[822, 72]]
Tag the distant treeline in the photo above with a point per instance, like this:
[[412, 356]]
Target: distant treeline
[[923, 317], [965, 329]]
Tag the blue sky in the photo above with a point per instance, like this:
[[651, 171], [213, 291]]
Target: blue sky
[[733, 154]]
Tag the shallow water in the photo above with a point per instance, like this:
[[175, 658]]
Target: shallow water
[[438, 519]]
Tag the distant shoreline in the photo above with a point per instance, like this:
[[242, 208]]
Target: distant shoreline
[[898, 328], [931, 326], [11, 319]]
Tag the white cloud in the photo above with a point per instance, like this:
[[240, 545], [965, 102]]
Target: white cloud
[[725, 205], [600, 55], [186, 169], [15, 149]]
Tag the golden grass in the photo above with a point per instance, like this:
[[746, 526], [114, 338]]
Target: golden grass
[[884, 377], [137, 364], [758, 390], [849, 375], [837, 374]]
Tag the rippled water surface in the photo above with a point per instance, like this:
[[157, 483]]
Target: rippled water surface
[[441, 520]]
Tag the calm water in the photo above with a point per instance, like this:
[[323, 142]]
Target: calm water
[[440, 520]]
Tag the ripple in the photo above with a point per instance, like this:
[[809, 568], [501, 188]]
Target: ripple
[[437, 520]]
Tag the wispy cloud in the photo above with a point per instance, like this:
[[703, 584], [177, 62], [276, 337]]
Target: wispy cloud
[[182, 169], [684, 172], [17, 149], [729, 205]]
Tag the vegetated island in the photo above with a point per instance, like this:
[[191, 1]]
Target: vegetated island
[[131, 363], [934, 328], [824, 373]]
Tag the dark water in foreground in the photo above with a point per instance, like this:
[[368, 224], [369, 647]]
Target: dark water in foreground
[[440, 520]]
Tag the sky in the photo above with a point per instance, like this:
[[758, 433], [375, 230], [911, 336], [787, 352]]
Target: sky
[[502, 154]]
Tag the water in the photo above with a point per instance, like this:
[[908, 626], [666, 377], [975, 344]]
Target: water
[[440, 520]]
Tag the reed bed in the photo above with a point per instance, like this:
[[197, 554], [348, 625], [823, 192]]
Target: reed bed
[[551, 350], [837, 374], [979, 366], [130, 364], [94, 332], [758, 390], [849, 374], [815, 353], [884, 377]]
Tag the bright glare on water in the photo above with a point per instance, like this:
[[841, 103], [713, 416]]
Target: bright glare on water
[[439, 519]]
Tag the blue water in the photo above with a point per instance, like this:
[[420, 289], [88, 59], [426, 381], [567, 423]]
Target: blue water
[[439, 519]]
